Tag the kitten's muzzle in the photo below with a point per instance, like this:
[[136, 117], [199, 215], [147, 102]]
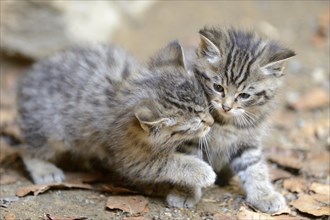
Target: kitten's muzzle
[[226, 108]]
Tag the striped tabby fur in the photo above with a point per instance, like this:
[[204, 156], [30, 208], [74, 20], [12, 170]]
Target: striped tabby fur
[[99, 102], [241, 74]]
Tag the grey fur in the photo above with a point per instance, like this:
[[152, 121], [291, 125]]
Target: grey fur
[[230, 63], [100, 102]]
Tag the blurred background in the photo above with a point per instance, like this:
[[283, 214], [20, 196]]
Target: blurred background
[[32, 30]]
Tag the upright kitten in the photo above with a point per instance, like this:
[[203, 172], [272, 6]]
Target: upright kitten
[[241, 74], [100, 102]]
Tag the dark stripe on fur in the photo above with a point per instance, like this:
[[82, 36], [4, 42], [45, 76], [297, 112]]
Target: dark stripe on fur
[[228, 62], [242, 166], [244, 60], [241, 149]]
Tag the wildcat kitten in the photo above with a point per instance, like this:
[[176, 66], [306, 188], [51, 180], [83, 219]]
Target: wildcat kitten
[[100, 102], [241, 74]]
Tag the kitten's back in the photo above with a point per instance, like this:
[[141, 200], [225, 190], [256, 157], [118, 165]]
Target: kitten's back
[[66, 83]]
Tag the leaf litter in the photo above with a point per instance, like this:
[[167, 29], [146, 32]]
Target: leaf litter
[[131, 204]]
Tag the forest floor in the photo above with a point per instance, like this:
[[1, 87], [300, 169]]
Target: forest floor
[[297, 149]]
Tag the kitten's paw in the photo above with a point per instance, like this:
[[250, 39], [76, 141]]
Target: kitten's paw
[[272, 203], [202, 175], [43, 172], [184, 199]]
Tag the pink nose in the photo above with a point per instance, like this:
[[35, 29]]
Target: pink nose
[[226, 108]]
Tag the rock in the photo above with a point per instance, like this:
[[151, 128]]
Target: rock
[[37, 29]]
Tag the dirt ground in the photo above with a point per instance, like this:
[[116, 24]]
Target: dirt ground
[[298, 148]]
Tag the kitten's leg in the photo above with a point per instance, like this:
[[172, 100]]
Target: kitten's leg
[[183, 170], [42, 171], [184, 196], [248, 163]]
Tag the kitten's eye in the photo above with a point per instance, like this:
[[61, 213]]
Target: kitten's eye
[[244, 96], [218, 87]]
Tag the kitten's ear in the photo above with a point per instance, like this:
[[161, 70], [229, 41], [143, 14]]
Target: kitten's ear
[[172, 54], [149, 116], [275, 65], [208, 49]]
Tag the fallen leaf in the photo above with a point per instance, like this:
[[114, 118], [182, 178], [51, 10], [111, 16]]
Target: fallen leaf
[[9, 216], [83, 177], [316, 204], [285, 158], [50, 217], [285, 210], [314, 98], [37, 189], [276, 174], [246, 214], [317, 164], [130, 204], [297, 185], [114, 189], [320, 188]]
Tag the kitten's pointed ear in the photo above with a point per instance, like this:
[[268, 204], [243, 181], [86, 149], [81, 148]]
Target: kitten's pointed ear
[[275, 65], [172, 54], [149, 116], [208, 49]]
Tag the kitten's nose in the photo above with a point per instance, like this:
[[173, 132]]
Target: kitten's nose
[[208, 120], [226, 108]]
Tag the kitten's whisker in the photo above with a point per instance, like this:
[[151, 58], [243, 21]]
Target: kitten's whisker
[[207, 152]]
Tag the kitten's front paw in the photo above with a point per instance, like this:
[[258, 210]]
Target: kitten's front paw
[[43, 172], [202, 174], [184, 199], [272, 203], [51, 175]]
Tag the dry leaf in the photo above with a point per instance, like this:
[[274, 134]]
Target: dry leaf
[[315, 98], [276, 174], [296, 185], [285, 158], [50, 217], [9, 216], [130, 204], [116, 190], [317, 164], [246, 214], [320, 188], [83, 177], [37, 189], [316, 204]]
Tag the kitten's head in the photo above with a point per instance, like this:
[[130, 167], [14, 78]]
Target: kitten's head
[[180, 111], [240, 73]]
